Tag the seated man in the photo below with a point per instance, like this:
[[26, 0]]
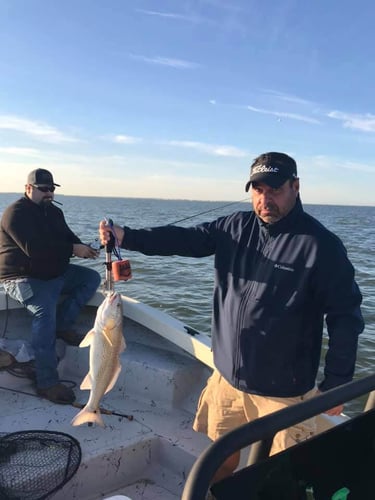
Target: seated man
[[36, 245]]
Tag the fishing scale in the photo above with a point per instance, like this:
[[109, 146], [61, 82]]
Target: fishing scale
[[120, 269]]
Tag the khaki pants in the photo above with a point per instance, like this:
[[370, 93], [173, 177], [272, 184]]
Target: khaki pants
[[222, 408]]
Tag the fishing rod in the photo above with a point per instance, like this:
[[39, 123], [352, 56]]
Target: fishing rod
[[120, 269], [207, 211], [104, 411], [80, 406]]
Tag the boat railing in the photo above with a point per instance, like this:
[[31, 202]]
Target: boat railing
[[260, 433]]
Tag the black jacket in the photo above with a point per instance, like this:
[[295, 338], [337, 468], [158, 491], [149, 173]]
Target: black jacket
[[35, 241], [273, 286]]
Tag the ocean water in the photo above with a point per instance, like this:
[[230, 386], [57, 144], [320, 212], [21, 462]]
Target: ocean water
[[183, 286]]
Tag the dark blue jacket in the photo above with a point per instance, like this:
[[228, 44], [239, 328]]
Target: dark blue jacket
[[273, 286]]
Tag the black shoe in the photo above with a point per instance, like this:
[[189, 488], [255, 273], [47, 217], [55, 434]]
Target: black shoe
[[6, 359], [71, 337], [58, 393]]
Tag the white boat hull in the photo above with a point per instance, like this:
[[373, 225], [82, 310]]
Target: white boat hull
[[164, 369]]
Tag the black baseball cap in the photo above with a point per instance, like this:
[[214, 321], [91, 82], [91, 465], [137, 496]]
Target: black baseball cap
[[273, 169], [41, 177]]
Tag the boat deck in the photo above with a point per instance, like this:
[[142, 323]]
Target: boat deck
[[145, 454]]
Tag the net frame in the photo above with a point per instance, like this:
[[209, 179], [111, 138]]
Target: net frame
[[36, 463]]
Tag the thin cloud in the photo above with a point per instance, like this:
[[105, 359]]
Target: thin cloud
[[213, 149], [170, 15], [126, 139], [326, 162], [40, 131], [358, 167], [365, 123], [13, 151], [166, 61], [288, 97], [282, 114]]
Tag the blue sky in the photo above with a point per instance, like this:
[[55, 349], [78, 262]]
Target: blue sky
[[174, 98]]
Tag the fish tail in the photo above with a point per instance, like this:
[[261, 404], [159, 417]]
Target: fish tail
[[87, 416]]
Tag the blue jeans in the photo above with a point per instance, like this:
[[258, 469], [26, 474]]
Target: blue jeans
[[40, 297]]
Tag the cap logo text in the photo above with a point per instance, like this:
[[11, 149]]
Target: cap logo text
[[264, 168]]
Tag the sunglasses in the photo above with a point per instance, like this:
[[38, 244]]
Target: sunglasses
[[45, 189]]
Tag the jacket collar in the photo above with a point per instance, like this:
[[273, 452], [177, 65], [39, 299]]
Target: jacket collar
[[286, 223]]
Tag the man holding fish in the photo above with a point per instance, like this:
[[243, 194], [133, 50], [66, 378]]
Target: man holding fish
[[36, 245], [279, 274]]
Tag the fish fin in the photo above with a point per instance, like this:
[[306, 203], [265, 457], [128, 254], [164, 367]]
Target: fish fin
[[86, 416], [114, 378], [86, 383], [107, 337], [86, 341], [122, 344]]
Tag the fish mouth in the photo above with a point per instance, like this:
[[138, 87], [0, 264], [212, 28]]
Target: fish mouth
[[112, 296]]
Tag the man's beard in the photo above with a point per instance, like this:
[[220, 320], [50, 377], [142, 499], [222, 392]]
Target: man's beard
[[45, 202]]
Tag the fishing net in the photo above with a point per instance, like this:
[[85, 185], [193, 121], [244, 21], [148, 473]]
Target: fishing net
[[34, 464]]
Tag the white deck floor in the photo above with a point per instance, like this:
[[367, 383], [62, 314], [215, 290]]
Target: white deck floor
[[146, 458]]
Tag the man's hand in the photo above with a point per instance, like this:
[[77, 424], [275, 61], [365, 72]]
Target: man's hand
[[84, 251], [337, 410], [105, 231]]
